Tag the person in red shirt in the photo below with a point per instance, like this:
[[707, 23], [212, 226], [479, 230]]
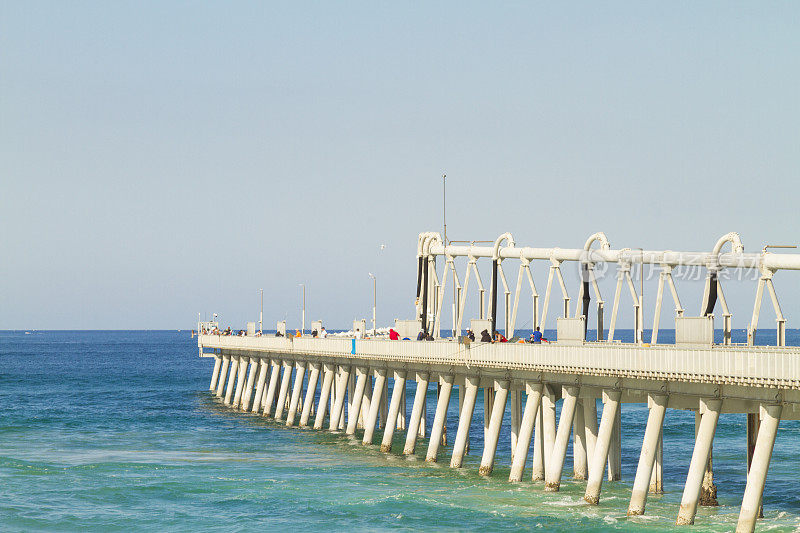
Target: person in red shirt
[[393, 335]]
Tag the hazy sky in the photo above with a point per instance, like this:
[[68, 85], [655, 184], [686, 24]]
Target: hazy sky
[[159, 159]]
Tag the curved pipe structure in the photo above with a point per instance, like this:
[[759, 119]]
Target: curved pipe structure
[[599, 236], [736, 243]]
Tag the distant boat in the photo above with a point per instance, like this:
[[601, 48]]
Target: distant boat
[[27, 333]]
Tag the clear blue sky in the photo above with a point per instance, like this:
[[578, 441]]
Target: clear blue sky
[[163, 158]]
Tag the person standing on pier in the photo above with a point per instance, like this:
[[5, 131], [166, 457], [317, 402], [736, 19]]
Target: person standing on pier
[[485, 337]]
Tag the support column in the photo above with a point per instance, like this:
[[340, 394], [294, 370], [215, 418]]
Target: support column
[[241, 374], [231, 379], [590, 428], [338, 404], [284, 390], [553, 475], [262, 379], [329, 373], [537, 473], [647, 458], [757, 476], [375, 405], [498, 410], [274, 376], [464, 420], [657, 477], [417, 412], [708, 491], [248, 389], [597, 465], [226, 360], [534, 392], [461, 392], [439, 420], [752, 432], [615, 451], [311, 389], [299, 377], [215, 373], [697, 467], [516, 416], [548, 426], [488, 402], [398, 394], [580, 465], [358, 395]]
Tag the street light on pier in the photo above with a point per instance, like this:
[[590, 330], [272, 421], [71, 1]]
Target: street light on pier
[[261, 314], [303, 322], [374, 302]]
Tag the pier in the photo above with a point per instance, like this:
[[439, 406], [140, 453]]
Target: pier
[[346, 384]]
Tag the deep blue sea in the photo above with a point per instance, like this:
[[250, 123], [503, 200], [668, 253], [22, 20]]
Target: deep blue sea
[[117, 431]]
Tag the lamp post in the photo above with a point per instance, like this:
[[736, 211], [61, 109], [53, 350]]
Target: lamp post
[[374, 302], [640, 332], [261, 314], [303, 322]]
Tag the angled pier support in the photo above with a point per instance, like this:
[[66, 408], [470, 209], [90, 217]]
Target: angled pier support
[[284, 390], [374, 405], [248, 388], [534, 392], [234, 370], [338, 403], [329, 373], [274, 376], [262, 379], [226, 361], [697, 468], [398, 395], [647, 458], [215, 373], [464, 420], [311, 389], [299, 377], [439, 420], [757, 476], [417, 412], [597, 465], [496, 421], [357, 401], [554, 471]]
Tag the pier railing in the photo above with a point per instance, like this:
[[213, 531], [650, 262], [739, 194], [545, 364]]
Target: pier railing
[[764, 366]]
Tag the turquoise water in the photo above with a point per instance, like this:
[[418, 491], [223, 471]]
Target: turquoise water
[[117, 431]]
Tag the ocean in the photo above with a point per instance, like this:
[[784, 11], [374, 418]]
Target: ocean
[[117, 431]]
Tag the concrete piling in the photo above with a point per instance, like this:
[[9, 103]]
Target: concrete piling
[[311, 389], [398, 397], [284, 390], [215, 373], [534, 392], [328, 375], [338, 404], [232, 373], [362, 374], [248, 388], [440, 418], [464, 420], [554, 471], [375, 405], [417, 413], [274, 377], [495, 423], [297, 390], [647, 457], [260, 383], [580, 465], [757, 476], [697, 467], [597, 466], [226, 360]]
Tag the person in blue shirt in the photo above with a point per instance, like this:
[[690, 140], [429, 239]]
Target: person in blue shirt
[[537, 336]]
